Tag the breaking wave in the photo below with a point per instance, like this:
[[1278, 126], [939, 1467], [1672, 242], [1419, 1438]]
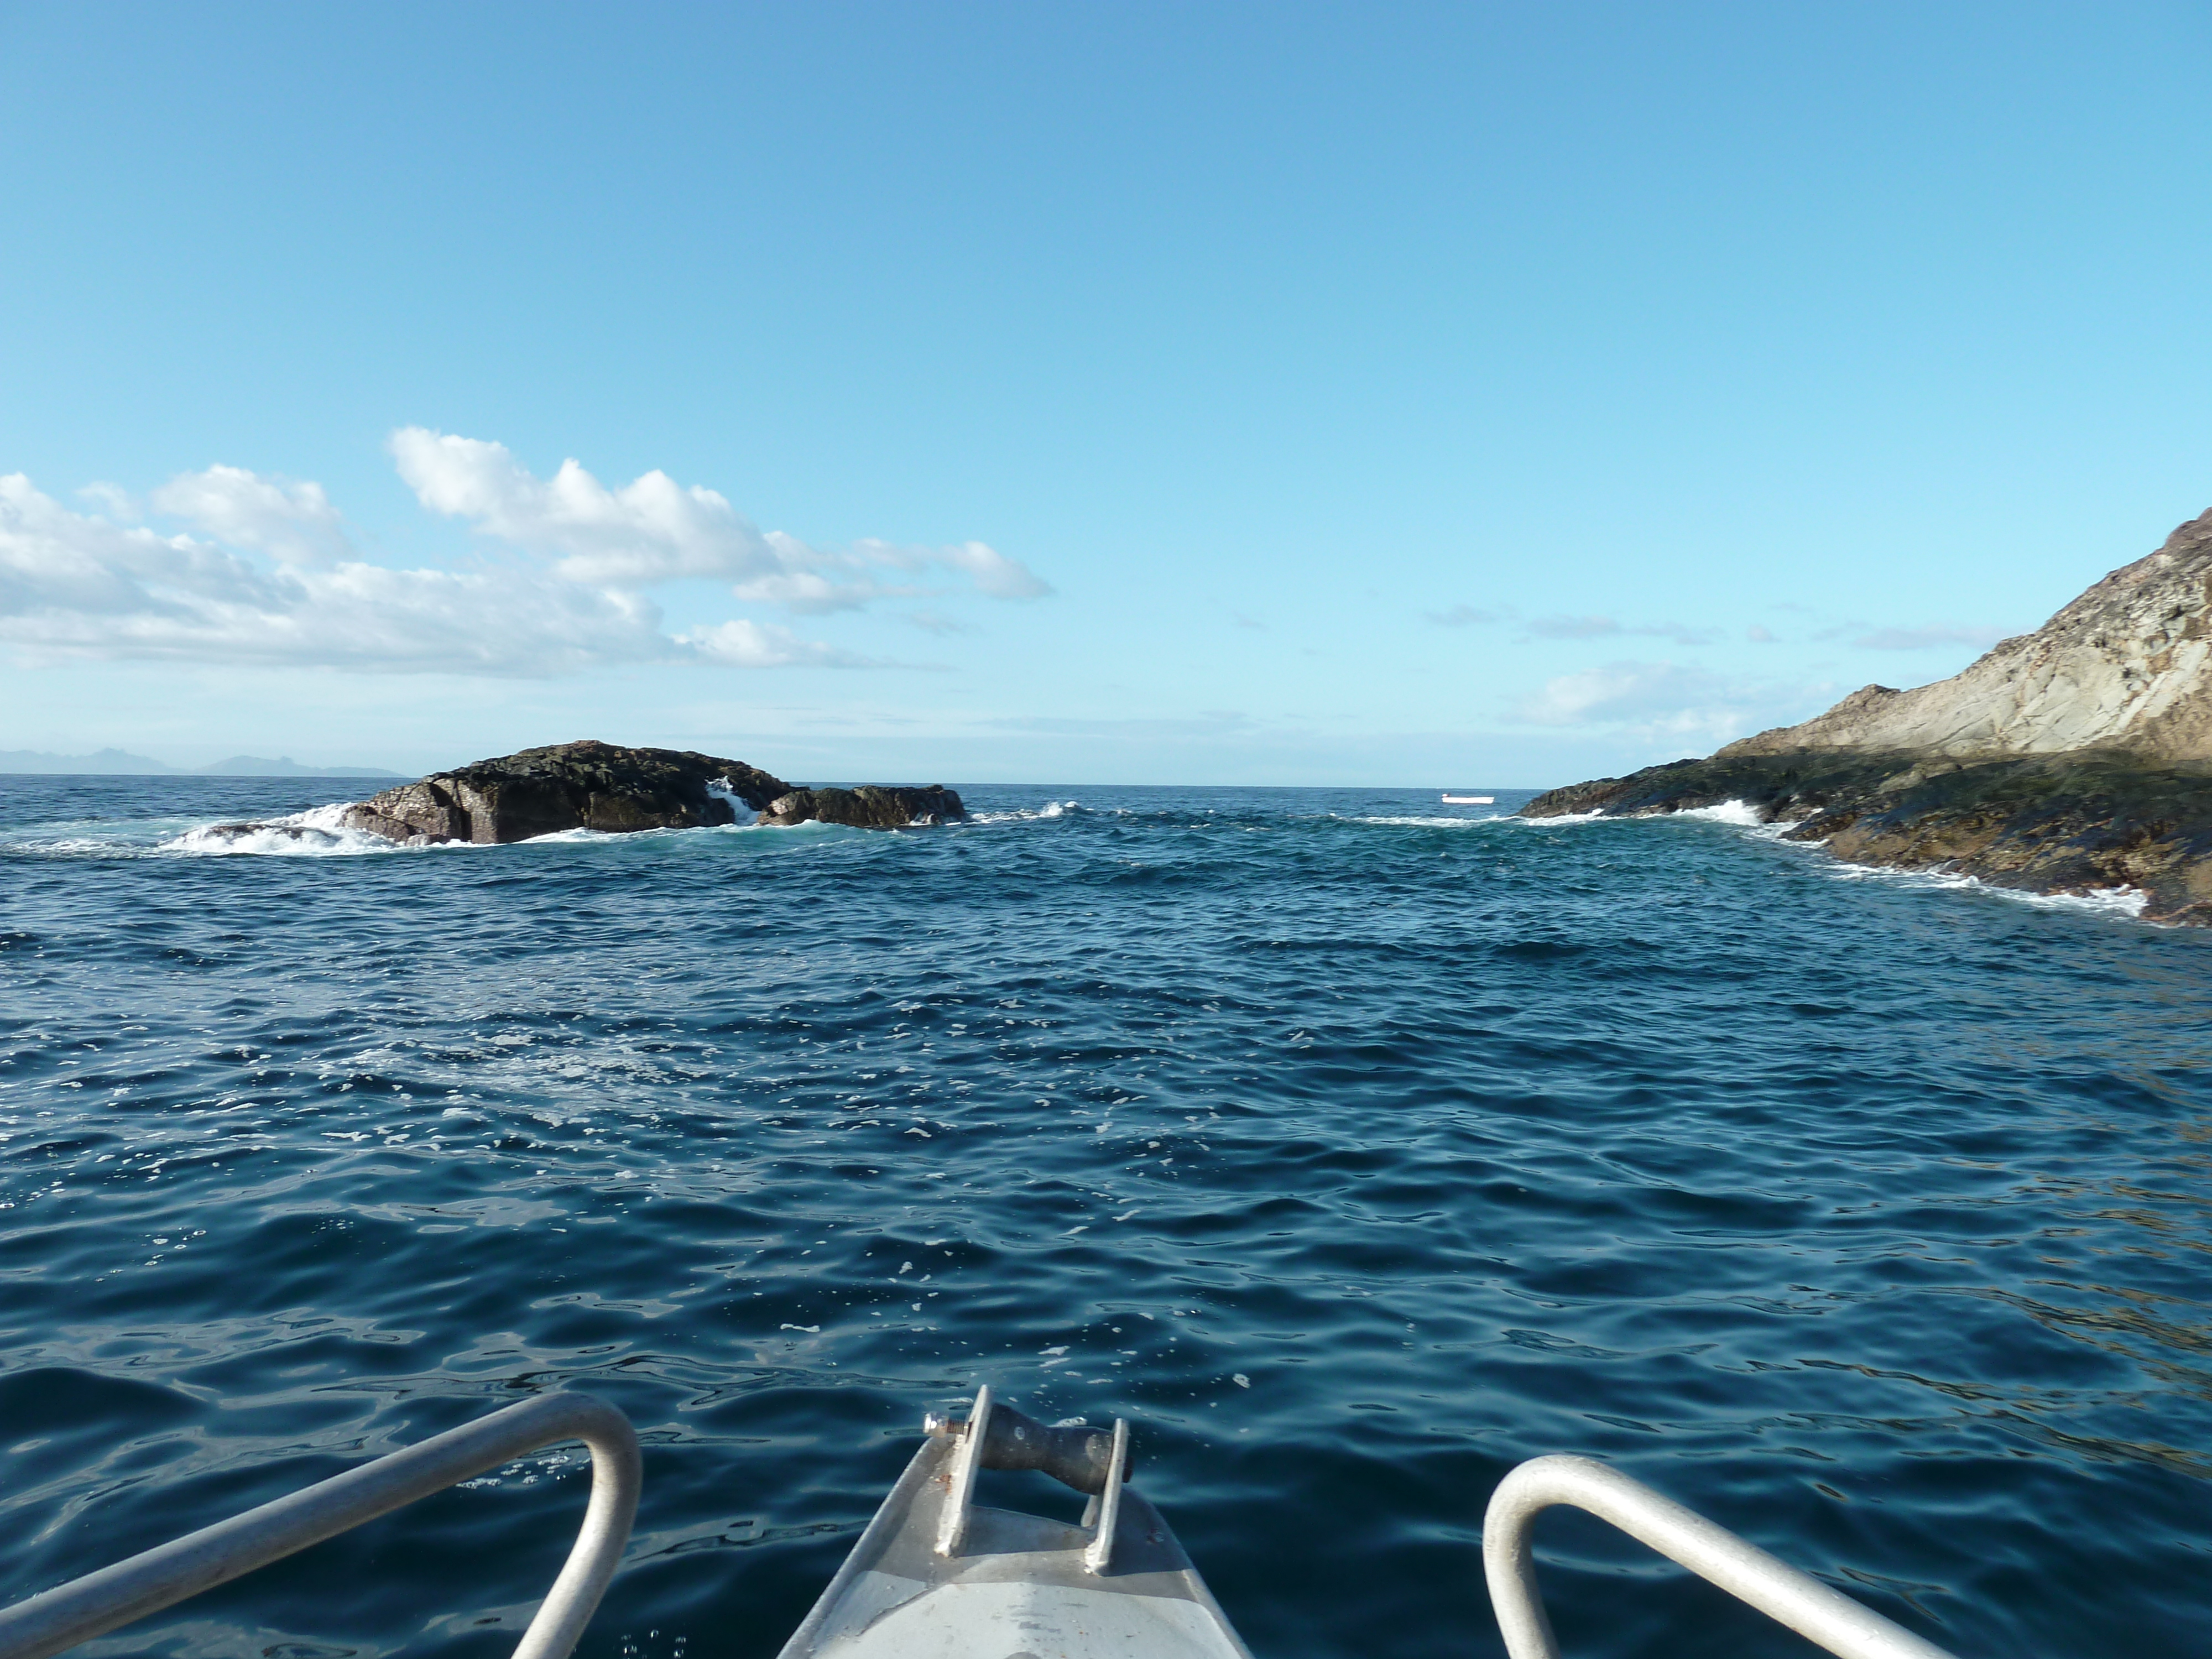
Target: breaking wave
[[319, 832]]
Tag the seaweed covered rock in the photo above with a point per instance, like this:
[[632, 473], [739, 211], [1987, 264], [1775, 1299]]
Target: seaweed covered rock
[[567, 786], [2075, 758], [870, 806], [2045, 824]]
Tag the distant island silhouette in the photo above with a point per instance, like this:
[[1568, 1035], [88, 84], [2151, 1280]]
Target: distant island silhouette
[[121, 762]]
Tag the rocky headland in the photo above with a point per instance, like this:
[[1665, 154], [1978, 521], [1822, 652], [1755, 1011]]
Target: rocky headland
[[616, 790], [2074, 759]]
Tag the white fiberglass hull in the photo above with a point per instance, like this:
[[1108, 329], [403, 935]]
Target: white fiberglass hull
[[1015, 1584]]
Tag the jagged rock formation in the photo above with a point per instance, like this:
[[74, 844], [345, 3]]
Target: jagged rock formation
[[2127, 666], [603, 786], [869, 807], [2074, 758], [567, 786]]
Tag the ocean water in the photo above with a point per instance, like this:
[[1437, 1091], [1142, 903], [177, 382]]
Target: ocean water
[[1353, 1146]]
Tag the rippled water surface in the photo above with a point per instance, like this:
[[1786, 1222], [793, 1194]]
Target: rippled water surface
[[1353, 1146]]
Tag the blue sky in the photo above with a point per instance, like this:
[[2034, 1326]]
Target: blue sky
[[1448, 395]]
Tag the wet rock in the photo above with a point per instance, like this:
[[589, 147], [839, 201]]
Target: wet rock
[[568, 786], [2043, 824], [872, 806]]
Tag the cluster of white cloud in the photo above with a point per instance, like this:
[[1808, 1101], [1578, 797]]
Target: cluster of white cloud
[[1862, 634], [271, 576], [1668, 702], [1665, 700], [1571, 627], [655, 530], [80, 584], [1601, 628], [1921, 639], [295, 522]]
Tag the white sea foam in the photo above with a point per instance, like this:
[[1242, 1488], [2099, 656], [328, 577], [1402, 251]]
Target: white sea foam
[[1741, 813], [719, 790], [319, 832], [1417, 823], [1051, 809], [557, 837], [2105, 902], [82, 844], [1548, 821]]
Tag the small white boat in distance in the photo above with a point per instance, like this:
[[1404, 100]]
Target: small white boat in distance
[[1470, 800]]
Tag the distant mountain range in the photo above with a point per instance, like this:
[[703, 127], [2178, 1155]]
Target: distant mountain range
[[121, 762]]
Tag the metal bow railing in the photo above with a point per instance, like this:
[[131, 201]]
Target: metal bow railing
[[1743, 1569], [130, 1590]]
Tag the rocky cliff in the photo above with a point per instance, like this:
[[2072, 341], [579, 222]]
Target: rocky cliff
[[2125, 667], [2075, 758], [567, 786]]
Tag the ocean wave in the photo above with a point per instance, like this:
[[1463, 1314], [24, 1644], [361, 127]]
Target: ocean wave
[[1051, 809], [2126, 901], [1741, 813], [719, 790], [319, 832], [1737, 814], [1426, 823], [2110, 901], [1549, 820]]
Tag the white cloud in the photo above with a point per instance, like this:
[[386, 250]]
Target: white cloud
[[1664, 698], [1920, 639], [1464, 616], [1573, 627], [652, 530], [994, 573], [655, 530], [74, 584], [272, 577], [741, 644], [295, 521], [931, 623], [113, 500], [810, 592], [1593, 628]]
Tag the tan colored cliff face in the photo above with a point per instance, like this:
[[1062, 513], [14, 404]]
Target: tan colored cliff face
[[2128, 665]]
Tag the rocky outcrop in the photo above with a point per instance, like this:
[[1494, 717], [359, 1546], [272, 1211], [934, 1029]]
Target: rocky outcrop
[[2073, 759], [604, 786], [2127, 666], [567, 786], [2080, 823], [870, 806]]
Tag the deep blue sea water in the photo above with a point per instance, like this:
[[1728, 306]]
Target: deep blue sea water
[[1353, 1146]]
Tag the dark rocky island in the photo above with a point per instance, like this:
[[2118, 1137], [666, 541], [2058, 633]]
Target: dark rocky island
[[872, 806], [2074, 759], [605, 787]]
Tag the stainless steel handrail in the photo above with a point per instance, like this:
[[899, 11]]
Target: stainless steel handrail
[[1743, 1569], [130, 1590]]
